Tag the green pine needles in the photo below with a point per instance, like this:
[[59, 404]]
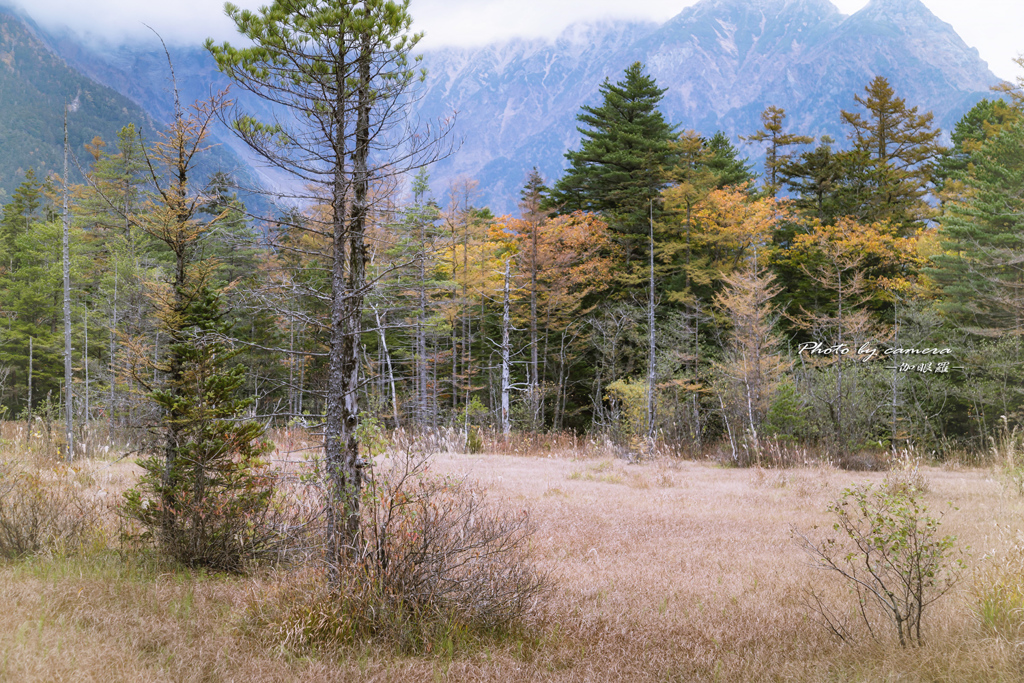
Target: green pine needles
[[621, 166], [210, 504]]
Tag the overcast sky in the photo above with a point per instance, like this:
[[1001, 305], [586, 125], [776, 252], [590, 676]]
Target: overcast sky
[[992, 26]]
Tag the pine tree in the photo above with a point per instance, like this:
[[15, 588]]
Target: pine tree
[[531, 199], [901, 146], [723, 160], [19, 213], [692, 181], [110, 207], [205, 488], [849, 264], [980, 270], [30, 309], [624, 158], [209, 505], [775, 155], [822, 182], [421, 228], [985, 120], [892, 133], [343, 69]]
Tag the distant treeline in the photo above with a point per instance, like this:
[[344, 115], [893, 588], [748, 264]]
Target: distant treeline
[[860, 294]]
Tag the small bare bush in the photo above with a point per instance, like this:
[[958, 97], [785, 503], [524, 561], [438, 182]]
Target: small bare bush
[[434, 545], [40, 513], [886, 549], [437, 562]]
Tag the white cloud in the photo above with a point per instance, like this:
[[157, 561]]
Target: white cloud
[[177, 21], [990, 25], [468, 22]]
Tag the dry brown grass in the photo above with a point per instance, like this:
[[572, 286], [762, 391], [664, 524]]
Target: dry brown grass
[[663, 571], [687, 571]]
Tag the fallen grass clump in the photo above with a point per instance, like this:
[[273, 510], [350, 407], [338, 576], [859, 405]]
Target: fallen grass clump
[[45, 510]]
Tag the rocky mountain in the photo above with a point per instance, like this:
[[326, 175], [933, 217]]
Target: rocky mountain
[[106, 89], [723, 62], [141, 72], [35, 84]]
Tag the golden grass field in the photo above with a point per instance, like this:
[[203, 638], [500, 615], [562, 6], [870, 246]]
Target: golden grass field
[[659, 571]]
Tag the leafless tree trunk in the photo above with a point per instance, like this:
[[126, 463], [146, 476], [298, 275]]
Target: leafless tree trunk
[[421, 333], [506, 356], [69, 423], [343, 68], [390, 376], [535, 398], [113, 356], [85, 362], [348, 280], [651, 338], [28, 426]]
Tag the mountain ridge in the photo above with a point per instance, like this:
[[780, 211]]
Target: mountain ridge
[[722, 62], [35, 85]]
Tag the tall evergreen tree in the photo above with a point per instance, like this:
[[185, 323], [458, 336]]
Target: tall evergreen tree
[[827, 184], [980, 270], [19, 213], [30, 309], [777, 141], [723, 160], [624, 158], [111, 207], [343, 68], [901, 147], [984, 120], [531, 198]]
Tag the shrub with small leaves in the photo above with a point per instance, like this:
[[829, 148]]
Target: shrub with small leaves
[[886, 547]]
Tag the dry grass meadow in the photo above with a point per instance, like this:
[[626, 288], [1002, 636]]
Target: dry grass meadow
[[661, 571]]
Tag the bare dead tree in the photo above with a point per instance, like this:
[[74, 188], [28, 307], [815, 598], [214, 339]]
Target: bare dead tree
[[69, 420]]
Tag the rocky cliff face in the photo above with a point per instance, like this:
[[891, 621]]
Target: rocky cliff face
[[123, 84], [723, 62]]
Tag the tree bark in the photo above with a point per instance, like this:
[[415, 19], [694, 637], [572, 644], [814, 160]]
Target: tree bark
[[66, 251], [506, 373]]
